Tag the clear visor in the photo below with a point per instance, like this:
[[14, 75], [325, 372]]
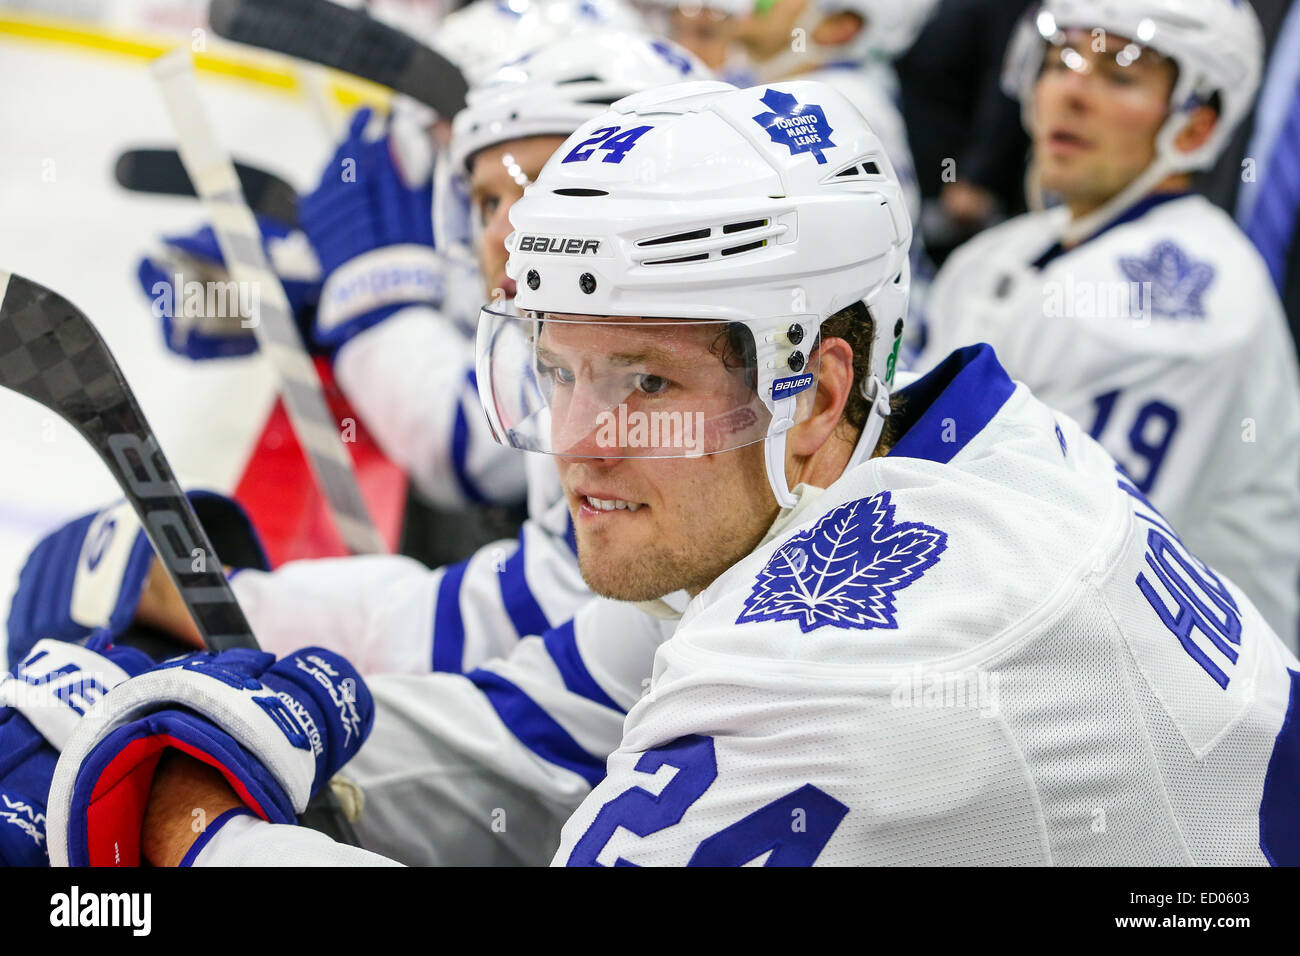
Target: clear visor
[[594, 387]]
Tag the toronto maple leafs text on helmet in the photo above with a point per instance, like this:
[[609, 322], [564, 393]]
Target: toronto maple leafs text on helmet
[[700, 201]]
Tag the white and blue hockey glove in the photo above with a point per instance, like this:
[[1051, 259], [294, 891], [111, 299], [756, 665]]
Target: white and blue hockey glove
[[40, 705], [370, 222], [202, 312], [88, 575], [276, 731]]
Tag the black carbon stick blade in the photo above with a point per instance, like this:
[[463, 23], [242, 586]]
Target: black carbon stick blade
[[161, 171], [344, 39], [50, 352]]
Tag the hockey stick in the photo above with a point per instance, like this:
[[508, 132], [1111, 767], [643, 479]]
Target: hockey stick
[[345, 39], [240, 240], [51, 353], [160, 171]]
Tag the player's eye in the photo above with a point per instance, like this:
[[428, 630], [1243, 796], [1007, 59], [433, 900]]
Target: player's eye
[[487, 209], [556, 373], [652, 384]]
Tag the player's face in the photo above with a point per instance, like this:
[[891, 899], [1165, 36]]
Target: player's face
[[498, 176], [681, 522], [706, 33], [1097, 109]]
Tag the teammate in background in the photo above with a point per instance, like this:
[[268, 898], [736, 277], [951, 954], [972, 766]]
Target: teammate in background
[[390, 614], [1135, 307], [844, 559], [369, 287], [845, 44]]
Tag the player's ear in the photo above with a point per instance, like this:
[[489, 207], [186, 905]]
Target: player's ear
[[833, 360], [838, 28], [1198, 129]]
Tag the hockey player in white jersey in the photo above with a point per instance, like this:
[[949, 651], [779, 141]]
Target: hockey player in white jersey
[[937, 626], [1135, 306]]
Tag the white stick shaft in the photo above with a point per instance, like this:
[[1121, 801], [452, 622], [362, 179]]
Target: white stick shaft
[[217, 184]]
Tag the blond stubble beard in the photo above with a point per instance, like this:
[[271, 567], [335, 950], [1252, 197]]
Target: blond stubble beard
[[656, 571]]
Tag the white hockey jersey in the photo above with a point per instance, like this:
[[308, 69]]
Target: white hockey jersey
[[391, 614], [1163, 337], [984, 648]]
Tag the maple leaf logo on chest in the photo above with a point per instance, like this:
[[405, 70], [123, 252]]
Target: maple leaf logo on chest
[[846, 569], [1175, 282]]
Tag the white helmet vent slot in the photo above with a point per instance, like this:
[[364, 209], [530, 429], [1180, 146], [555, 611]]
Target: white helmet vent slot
[[710, 242], [676, 237], [855, 172]]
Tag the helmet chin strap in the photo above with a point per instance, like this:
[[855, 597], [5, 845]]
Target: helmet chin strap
[[877, 393], [873, 390], [774, 450]]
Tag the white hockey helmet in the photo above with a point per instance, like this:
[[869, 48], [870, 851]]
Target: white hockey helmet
[[551, 19], [1217, 45], [766, 210], [481, 35], [554, 89], [551, 90]]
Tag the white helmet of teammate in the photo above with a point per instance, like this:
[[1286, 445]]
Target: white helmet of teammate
[[551, 91], [761, 211], [552, 19], [479, 37], [1218, 46]]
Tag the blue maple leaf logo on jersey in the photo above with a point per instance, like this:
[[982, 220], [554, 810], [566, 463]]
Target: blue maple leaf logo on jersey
[[803, 129], [1177, 282], [846, 569]]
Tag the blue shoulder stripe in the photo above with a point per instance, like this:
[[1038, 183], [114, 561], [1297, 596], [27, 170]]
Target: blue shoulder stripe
[[948, 406], [1279, 839], [525, 613], [448, 625], [460, 449], [562, 644], [536, 729]]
